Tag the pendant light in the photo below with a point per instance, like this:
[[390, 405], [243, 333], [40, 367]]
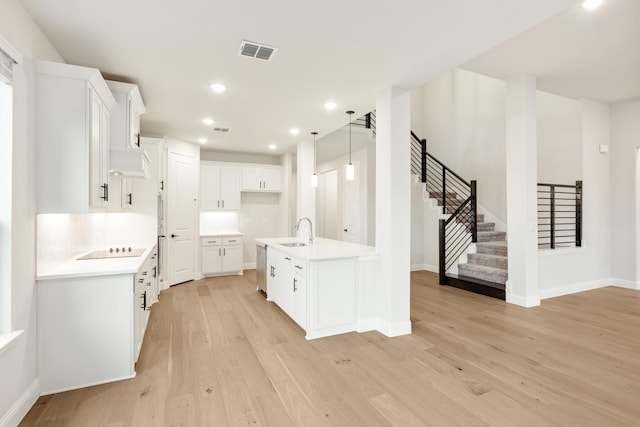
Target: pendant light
[[314, 177], [350, 173]]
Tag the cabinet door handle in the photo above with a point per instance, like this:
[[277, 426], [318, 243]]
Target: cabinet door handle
[[138, 139], [295, 282], [144, 301], [162, 185], [223, 203], [224, 251], [105, 192], [130, 198], [298, 267], [287, 258], [218, 203]]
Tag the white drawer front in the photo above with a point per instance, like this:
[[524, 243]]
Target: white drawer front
[[232, 240], [211, 241]]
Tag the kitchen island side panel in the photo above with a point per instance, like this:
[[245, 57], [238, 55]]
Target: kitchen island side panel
[[85, 331]]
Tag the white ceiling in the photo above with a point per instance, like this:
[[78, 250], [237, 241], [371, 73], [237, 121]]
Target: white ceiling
[[347, 51], [577, 54]]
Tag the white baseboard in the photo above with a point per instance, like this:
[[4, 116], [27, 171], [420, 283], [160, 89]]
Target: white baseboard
[[397, 329], [389, 329], [572, 288], [627, 284], [19, 409], [249, 266], [427, 267], [531, 301]]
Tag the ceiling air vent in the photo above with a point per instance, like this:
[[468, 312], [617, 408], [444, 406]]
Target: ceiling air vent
[[257, 50], [219, 129]]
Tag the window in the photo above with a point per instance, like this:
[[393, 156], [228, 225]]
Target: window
[[6, 145]]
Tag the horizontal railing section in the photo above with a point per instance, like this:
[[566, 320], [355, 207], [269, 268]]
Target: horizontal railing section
[[559, 215], [367, 121]]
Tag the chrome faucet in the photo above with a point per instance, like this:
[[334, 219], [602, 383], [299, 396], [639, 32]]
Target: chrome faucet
[[310, 228]]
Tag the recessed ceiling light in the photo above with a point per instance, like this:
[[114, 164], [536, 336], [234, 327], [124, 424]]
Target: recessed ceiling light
[[294, 131], [207, 121], [218, 87], [202, 140], [272, 146], [591, 4], [330, 105]]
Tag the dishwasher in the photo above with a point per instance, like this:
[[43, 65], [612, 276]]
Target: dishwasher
[[261, 267]]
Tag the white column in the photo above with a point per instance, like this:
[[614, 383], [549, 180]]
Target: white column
[[393, 209], [306, 194], [522, 215]]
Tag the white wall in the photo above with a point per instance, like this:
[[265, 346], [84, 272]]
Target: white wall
[[225, 156], [464, 125], [559, 128], [367, 191], [573, 270], [625, 140], [260, 215], [19, 387]]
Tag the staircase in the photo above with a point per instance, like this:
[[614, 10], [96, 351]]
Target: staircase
[[486, 268]]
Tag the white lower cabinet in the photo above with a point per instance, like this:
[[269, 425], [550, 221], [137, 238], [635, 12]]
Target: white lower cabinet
[[221, 255], [90, 329], [319, 295], [287, 285]]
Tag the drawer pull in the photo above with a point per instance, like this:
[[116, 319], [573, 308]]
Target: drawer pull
[[298, 267]]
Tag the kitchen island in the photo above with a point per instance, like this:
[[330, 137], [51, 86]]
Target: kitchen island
[[327, 287]]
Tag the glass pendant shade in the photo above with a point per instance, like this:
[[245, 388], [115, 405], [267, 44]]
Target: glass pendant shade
[[350, 173]]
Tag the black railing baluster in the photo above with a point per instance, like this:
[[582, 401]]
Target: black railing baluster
[[444, 189], [423, 157], [474, 213], [442, 270], [553, 215], [578, 213]]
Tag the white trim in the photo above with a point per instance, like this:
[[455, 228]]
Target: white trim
[[6, 340], [426, 267], [572, 288], [626, 284], [397, 329], [531, 301], [562, 251], [10, 50], [249, 266], [19, 409], [85, 385]]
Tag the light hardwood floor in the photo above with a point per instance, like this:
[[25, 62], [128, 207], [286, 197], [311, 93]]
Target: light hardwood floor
[[216, 353]]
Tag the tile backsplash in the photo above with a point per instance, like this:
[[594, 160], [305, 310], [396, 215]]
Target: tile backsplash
[[62, 237]]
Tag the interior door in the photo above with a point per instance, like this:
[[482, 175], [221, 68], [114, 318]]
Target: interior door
[[327, 205], [181, 218], [351, 207]]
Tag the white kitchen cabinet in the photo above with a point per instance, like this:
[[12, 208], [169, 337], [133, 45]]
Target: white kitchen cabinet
[[90, 328], [126, 156], [126, 194], [73, 127], [219, 187], [257, 179], [221, 255], [300, 293], [287, 284], [125, 124]]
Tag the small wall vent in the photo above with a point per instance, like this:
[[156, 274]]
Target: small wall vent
[[257, 50], [220, 129]]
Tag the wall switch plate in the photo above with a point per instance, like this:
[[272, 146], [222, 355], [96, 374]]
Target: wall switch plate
[[604, 148]]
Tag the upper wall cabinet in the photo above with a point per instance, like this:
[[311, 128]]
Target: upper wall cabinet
[[73, 122], [219, 187], [266, 178], [127, 157]]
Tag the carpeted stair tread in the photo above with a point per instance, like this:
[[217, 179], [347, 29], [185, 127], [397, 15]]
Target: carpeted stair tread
[[486, 226], [490, 274], [488, 260], [488, 236], [492, 248]]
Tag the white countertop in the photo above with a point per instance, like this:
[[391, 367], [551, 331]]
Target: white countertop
[[321, 248], [221, 234], [96, 267]]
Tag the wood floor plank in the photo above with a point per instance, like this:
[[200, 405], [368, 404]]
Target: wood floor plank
[[216, 353]]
